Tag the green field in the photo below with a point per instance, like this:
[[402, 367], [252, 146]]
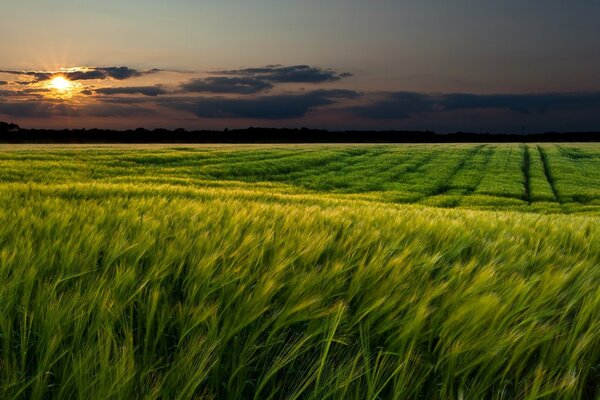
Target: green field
[[300, 272]]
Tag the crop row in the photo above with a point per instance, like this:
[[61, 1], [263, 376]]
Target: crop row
[[555, 177]]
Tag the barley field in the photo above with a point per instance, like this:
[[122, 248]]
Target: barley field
[[466, 271]]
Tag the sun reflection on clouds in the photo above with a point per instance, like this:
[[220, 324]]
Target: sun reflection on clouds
[[59, 87], [69, 83], [60, 83]]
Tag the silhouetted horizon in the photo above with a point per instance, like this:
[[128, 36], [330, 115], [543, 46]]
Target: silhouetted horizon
[[12, 133]]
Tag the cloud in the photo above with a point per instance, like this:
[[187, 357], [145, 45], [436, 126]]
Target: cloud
[[25, 92], [3, 83], [398, 105], [37, 76], [292, 74], [402, 105], [49, 109], [274, 107], [118, 73], [152, 91], [83, 73], [132, 100], [231, 85], [111, 110], [525, 103], [35, 109]]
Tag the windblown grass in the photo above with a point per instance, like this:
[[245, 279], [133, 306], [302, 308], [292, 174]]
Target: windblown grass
[[126, 282], [549, 178]]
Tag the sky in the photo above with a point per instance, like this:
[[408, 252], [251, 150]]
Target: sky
[[464, 65]]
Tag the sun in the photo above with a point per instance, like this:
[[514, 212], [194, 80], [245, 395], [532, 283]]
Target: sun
[[60, 87], [61, 84]]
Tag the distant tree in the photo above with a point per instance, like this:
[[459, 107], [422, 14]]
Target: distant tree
[[8, 127]]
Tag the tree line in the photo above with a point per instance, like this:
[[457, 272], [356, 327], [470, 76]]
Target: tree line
[[12, 133]]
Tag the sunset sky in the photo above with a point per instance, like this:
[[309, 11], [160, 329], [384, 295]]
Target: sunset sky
[[479, 65]]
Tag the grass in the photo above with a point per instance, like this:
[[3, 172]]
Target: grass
[[268, 272], [545, 178]]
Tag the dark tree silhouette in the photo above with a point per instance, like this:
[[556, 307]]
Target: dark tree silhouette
[[11, 133], [7, 127]]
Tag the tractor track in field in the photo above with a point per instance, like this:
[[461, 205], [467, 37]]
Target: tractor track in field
[[324, 168], [409, 168], [447, 183], [310, 163], [487, 157], [548, 173], [526, 166]]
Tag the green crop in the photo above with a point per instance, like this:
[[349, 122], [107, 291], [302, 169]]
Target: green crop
[[293, 272]]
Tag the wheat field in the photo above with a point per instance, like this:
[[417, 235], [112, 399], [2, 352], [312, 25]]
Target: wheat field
[[300, 272]]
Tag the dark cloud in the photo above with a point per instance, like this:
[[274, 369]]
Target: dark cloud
[[402, 105], [335, 93], [24, 109], [525, 103], [35, 109], [113, 111], [395, 106], [118, 73], [37, 76], [3, 83], [131, 100], [232, 85], [143, 90], [24, 92], [292, 74], [35, 90], [87, 73], [274, 107], [49, 109], [25, 83]]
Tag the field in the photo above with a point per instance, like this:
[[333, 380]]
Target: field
[[548, 178], [465, 271]]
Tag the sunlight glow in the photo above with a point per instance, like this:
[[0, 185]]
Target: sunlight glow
[[61, 84]]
